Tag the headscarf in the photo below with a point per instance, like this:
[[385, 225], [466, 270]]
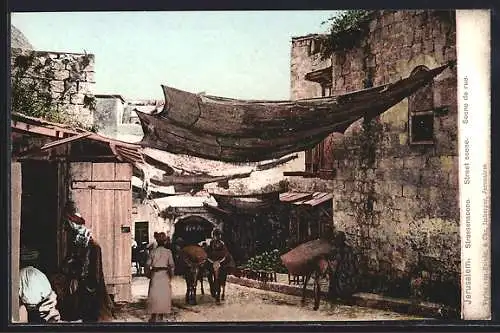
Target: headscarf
[[77, 223], [35, 292], [34, 286]]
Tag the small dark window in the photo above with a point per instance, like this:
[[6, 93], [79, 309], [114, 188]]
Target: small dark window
[[422, 127], [314, 46], [421, 113], [326, 89]]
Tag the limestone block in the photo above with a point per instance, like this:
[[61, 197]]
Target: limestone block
[[57, 65], [450, 54], [427, 46], [414, 162], [409, 191], [416, 49], [379, 174], [85, 87], [77, 75], [61, 75], [349, 186], [73, 110], [448, 163], [338, 185], [386, 163], [405, 204], [55, 95], [77, 98], [57, 86]]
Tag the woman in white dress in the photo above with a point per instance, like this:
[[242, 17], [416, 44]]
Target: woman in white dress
[[160, 266]]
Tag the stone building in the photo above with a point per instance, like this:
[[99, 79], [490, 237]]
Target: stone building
[[109, 113], [394, 178], [66, 80]]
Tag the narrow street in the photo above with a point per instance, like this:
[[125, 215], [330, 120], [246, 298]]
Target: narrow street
[[245, 304]]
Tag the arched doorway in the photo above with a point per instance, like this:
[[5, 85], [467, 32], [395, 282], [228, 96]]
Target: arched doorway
[[192, 229]]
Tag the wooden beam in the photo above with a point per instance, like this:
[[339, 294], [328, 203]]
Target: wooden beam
[[16, 188], [54, 144], [38, 129], [304, 174], [275, 163], [66, 140], [195, 180], [101, 185]]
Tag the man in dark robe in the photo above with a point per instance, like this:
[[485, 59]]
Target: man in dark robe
[[344, 266], [85, 294]]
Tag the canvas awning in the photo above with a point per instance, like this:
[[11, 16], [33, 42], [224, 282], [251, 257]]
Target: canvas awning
[[234, 130], [184, 201]]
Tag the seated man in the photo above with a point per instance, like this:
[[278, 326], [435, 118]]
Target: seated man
[[36, 298]]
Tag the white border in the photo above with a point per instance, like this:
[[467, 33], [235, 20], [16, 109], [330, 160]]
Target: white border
[[474, 109]]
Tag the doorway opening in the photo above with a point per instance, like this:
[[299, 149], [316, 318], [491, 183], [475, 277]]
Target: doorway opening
[[192, 230], [141, 232], [39, 215]]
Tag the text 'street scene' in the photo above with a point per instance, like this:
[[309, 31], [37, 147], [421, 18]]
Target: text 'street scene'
[[474, 129]]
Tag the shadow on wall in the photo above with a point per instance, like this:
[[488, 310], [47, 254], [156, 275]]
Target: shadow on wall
[[427, 280]]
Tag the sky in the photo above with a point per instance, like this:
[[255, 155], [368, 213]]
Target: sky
[[229, 54]]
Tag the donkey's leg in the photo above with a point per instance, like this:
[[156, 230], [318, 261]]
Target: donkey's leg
[[201, 282], [223, 285], [306, 281], [317, 290]]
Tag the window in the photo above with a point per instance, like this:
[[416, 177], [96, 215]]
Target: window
[[421, 113], [326, 89]]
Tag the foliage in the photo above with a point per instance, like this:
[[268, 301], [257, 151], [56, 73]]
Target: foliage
[[31, 93], [267, 261], [346, 30]]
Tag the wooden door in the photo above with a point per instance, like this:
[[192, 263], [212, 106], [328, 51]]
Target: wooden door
[[102, 193]]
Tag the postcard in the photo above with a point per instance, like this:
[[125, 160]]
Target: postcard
[[250, 166]]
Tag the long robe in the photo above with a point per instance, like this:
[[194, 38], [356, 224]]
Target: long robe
[[82, 288], [160, 290]]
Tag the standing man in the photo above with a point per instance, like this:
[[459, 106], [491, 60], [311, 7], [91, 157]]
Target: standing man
[[87, 289], [344, 267]]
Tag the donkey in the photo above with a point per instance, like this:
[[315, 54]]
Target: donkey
[[341, 266], [193, 259]]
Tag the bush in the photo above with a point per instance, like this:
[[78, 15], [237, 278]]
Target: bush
[[267, 261]]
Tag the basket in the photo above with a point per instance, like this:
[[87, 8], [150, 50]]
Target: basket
[[298, 260]]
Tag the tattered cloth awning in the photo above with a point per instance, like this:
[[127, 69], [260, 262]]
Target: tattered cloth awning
[[248, 130]]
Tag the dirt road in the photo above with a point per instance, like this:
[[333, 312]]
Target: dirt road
[[245, 304]]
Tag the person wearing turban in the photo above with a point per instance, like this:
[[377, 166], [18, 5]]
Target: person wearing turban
[[86, 297]]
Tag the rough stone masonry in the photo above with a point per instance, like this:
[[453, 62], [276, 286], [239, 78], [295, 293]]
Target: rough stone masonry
[[397, 199], [68, 77]]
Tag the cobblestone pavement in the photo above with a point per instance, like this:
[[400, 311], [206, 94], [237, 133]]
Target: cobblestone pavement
[[244, 304]]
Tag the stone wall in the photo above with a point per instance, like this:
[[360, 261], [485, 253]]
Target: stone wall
[[66, 80], [145, 212], [18, 39], [305, 58], [398, 202]]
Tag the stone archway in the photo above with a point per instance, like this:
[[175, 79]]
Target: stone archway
[[192, 229]]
